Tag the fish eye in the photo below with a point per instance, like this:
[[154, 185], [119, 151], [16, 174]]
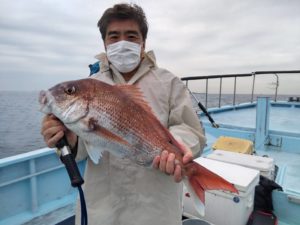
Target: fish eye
[[70, 90]]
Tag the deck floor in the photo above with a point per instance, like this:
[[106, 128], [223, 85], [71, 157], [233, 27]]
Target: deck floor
[[281, 118], [69, 221], [289, 168], [61, 216]]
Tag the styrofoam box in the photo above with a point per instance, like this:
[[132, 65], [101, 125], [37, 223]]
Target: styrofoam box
[[265, 165], [223, 207]]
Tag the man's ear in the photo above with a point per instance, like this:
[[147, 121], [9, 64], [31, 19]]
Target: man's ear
[[143, 50]]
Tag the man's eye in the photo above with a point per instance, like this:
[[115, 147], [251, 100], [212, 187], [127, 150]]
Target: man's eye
[[113, 37], [133, 37]]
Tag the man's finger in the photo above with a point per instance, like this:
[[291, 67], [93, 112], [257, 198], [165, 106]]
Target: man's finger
[[51, 142], [163, 161], [177, 174], [155, 162], [188, 157], [170, 166]]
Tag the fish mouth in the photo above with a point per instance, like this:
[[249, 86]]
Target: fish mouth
[[44, 102], [48, 105], [43, 97]]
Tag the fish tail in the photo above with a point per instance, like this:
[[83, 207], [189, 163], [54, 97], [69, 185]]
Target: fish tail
[[200, 179]]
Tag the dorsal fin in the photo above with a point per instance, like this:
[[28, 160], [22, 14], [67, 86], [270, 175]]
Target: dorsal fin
[[135, 95]]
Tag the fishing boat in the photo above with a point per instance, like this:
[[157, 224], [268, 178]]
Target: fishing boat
[[245, 141]]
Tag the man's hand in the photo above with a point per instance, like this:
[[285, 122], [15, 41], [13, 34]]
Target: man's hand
[[166, 163], [53, 130]]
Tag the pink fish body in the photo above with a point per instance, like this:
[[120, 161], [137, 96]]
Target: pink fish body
[[118, 120]]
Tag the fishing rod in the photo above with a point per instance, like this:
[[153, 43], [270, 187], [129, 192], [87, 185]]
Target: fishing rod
[[68, 160], [211, 120]]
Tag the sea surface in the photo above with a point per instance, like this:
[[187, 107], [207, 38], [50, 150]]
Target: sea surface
[[20, 119], [20, 123]]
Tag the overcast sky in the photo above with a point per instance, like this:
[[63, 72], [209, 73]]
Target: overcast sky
[[43, 42]]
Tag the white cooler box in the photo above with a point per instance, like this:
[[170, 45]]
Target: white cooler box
[[226, 208], [265, 165]]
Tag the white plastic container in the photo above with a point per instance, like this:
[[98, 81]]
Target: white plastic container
[[225, 208], [265, 165]]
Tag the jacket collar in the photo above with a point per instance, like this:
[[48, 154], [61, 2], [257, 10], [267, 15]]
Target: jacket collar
[[147, 63]]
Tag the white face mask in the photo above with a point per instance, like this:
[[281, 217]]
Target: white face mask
[[124, 55]]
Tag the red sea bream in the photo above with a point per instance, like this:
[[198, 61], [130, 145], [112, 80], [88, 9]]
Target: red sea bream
[[118, 120]]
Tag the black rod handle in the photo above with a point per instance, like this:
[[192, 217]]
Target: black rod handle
[[70, 164]]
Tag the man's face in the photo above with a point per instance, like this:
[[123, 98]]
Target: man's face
[[123, 30]]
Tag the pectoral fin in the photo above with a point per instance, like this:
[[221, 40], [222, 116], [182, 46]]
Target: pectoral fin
[[94, 152], [93, 126]]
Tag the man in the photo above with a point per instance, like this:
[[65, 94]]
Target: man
[[117, 191]]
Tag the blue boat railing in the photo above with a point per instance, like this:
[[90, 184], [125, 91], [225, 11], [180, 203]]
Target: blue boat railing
[[33, 184], [236, 76]]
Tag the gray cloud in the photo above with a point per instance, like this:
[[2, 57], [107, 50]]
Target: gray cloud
[[44, 42]]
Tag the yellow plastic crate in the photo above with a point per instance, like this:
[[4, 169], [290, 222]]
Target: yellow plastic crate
[[233, 145]]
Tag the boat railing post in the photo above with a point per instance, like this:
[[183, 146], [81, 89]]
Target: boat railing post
[[234, 91], [206, 93], [33, 186], [220, 92], [276, 88], [253, 84], [262, 122]]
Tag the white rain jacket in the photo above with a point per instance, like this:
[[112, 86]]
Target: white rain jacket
[[119, 192]]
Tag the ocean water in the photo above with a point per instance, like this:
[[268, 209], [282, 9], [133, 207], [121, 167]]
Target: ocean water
[[20, 119], [20, 123]]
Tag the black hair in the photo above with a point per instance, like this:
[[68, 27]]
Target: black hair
[[124, 12]]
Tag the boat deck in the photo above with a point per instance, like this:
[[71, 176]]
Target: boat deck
[[283, 117], [284, 120], [63, 214], [283, 145]]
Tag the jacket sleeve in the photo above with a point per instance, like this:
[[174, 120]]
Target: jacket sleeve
[[183, 122]]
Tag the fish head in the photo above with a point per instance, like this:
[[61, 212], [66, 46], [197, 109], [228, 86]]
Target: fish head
[[68, 101]]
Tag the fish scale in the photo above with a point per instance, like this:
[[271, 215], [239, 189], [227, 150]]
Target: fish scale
[[137, 133]]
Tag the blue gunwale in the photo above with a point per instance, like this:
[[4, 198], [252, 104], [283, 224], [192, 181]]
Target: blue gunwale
[[34, 184]]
